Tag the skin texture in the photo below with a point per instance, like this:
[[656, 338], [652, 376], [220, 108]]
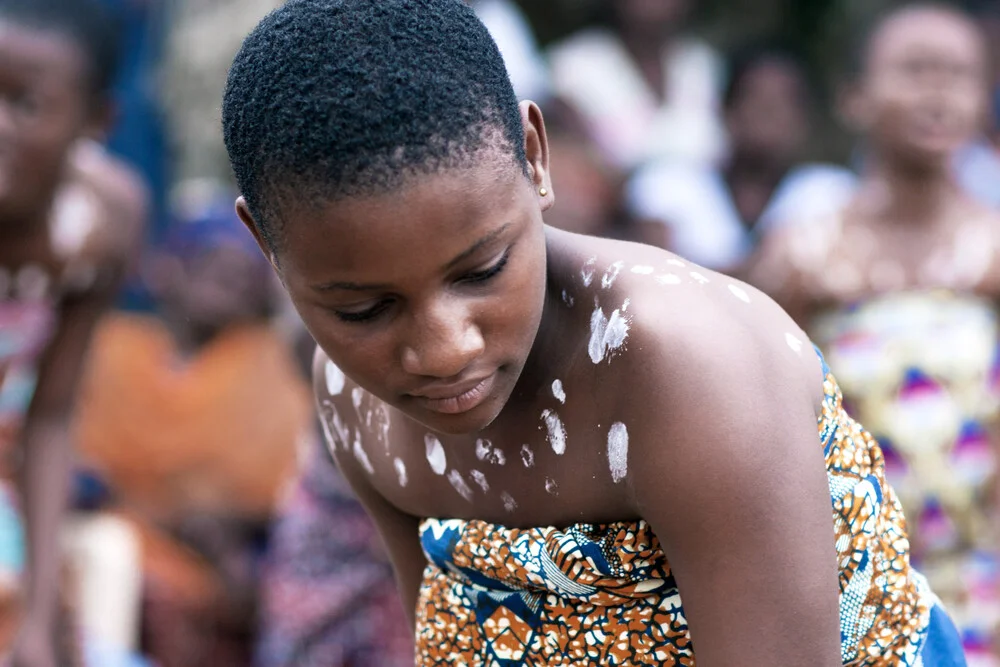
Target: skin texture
[[922, 96], [711, 393], [45, 110]]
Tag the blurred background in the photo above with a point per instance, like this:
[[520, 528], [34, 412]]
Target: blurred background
[[209, 527]]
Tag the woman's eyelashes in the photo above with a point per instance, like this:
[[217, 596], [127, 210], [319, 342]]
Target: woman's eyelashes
[[474, 278]]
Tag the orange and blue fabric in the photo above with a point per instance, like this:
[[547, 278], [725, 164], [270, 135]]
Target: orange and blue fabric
[[605, 594]]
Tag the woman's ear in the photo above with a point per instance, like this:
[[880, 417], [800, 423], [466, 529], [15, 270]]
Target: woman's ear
[[536, 151], [246, 217]]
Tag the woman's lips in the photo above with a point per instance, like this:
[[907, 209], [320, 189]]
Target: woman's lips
[[454, 401]]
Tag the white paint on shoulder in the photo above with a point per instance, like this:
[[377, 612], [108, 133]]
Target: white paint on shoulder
[[401, 472], [739, 293], [459, 484], [551, 487], [509, 503], [568, 299], [611, 275], [558, 391], [675, 262], [335, 379], [556, 432], [642, 270], [361, 455], [793, 343], [587, 272], [668, 279], [480, 479], [435, 454], [618, 452], [699, 278], [527, 456], [607, 335]]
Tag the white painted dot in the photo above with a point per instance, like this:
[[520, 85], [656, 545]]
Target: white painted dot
[[357, 396], [556, 432], [628, 302], [668, 279], [480, 479], [607, 335], [400, 471], [485, 451], [699, 278], [527, 456], [611, 275], [618, 452], [642, 270], [673, 261], [551, 487], [740, 293], [509, 503], [558, 391], [793, 343], [459, 484], [587, 272], [361, 455], [435, 454], [568, 299], [334, 379], [342, 432]]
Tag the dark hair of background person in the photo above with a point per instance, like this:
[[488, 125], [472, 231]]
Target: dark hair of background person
[[88, 23], [337, 98]]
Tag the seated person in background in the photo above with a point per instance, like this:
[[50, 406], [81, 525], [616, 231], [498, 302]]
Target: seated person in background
[[193, 422], [714, 216], [70, 221], [900, 288]]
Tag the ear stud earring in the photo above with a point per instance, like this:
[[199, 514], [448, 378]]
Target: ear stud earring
[[543, 192]]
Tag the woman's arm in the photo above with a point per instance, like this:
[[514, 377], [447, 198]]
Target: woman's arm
[[733, 482]]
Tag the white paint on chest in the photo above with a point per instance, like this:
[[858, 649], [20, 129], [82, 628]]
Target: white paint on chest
[[587, 272], [611, 275], [551, 487], [400, 472], [642, 270], [607, 334], [567, 299], [459, 484], [361, 455], [739, 293], [618, 452], [485, 451], [527, 456], [556, 432], [335, 379], [558, 391], [357, 396], [480, 479], [668, 279], [435, 454], [699, 278], [509, 503], [793, 343]]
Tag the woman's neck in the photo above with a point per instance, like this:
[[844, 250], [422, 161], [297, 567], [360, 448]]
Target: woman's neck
[[900, 192]]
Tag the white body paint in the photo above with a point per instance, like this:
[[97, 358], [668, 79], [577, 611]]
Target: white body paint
[[740, 293], [618, 452], [643, 270], [435, 454], [587, 272], [527, 456], [480, 479], [357, 396], [556, 432], [558, 391], [675, 262], [699, 278], [551, 487], [611, 275], [400, 472], [509, 503], [793, 343], [335, 379], [567, 299], [668, 279], [485, 451], [607, 335], [361, 455], [458, 483]]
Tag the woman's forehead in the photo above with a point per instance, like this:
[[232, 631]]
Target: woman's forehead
[[37, 52]]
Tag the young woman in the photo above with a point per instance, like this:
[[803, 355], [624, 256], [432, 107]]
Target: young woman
[[560, 437], [900, 288], [69, 219]]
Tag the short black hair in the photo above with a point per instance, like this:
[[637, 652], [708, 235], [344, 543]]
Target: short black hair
[[743, 61], [336, 98], [90, 24]]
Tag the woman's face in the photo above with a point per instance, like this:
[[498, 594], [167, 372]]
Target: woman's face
[[45, 106], [429, 297], [924, 94]]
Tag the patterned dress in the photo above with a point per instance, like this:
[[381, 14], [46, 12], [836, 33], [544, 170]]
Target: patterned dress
[[604, 594], [921, 371]]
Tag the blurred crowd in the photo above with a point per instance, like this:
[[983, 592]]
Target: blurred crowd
[[207, 524]]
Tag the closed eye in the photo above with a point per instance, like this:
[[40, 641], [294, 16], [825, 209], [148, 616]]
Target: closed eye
[[491, 272], [363, 315]]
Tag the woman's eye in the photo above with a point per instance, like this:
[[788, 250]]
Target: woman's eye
[[487, 274], [365, 315]]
